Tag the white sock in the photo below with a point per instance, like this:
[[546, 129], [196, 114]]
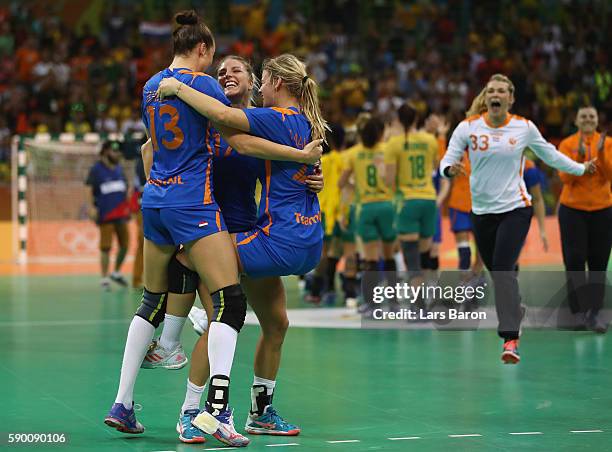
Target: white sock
[[269, 384], [192, 397], [171, 334], [400, 265], [137, 343], [259, 400], [221, 347]]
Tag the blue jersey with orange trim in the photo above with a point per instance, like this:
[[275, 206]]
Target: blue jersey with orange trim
[[181, 175], [287, 211], [234, 177]]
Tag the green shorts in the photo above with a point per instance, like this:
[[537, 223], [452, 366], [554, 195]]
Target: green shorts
[[375, 222], [417, 216], [345, 235]]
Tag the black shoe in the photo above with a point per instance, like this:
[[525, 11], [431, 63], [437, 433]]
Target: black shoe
[[119, 279]]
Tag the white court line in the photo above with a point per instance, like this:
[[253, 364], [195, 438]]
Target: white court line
[[526, 433], [345, 441], [586, 431], [465, 436], [406, 437], [281, 445], [221, 448]]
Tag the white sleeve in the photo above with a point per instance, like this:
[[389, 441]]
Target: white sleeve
[[456, 147], [549, 153]]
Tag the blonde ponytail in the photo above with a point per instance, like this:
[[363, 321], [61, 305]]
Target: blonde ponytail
[[293, 74], [479, 105]]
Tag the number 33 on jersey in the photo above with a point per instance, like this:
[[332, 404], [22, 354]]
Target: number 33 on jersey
[[497, 161]]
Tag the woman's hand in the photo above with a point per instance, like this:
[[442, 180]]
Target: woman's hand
[[312, 152], [456, 169], [591, 166], [92, 213], [544, 239], [315, 182], [168, 87]]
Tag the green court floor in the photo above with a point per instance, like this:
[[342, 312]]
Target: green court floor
[[62, 342]]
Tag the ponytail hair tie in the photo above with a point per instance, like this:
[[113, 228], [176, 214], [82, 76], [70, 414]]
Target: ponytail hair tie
[[304, 79]]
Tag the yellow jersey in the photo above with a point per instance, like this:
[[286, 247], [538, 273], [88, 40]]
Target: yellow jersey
[[367, 165], [414, 156], [329, 198]]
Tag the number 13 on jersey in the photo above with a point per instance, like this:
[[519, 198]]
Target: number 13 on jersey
[[169, 116]]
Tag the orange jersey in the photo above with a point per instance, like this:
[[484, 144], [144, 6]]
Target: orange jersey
[[460, 197], [591, 191]]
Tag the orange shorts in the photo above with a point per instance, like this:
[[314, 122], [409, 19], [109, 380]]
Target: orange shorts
[[106, 234]]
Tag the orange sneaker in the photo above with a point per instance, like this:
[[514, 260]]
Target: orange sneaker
[[511, 355]]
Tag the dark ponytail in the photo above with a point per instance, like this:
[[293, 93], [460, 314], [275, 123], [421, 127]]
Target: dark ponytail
[[189, 31]]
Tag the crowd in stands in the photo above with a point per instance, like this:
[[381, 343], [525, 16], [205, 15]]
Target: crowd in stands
[[66, 72]]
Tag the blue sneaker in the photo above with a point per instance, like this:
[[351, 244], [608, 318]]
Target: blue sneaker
[[187, 432], [122, 419], [221, 427], [270, 423]]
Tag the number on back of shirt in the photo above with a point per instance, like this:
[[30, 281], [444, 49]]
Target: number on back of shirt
[[169, 116]]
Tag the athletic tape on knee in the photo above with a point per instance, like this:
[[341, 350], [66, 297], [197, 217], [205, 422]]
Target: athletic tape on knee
[[152, 307], [218, 394], [181, 280], [465, 256], [230, 306], [411, 255]]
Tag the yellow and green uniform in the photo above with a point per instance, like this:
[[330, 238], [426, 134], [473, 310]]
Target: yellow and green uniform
[[414, 156], [329, 198], [375, 213]]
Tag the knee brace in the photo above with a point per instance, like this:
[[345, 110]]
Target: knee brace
[[434, 263], [465, 255], [152, 307], [181, 279], [230, 306], [424, 259], [390, 265]]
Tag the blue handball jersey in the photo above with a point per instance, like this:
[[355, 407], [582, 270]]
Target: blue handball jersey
[[234, 177], [287, 211], [110, 192], [181, 175]]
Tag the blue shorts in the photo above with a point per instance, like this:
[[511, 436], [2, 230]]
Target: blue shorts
[[460, 221], [175, 226], [262, 255], [437, 237]]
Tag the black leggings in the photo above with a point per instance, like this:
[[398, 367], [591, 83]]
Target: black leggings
[[586, 239], [500, 238]]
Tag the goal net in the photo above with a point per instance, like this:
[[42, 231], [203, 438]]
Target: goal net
[[52, 199]]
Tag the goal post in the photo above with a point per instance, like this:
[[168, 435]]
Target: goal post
[[50, 198]]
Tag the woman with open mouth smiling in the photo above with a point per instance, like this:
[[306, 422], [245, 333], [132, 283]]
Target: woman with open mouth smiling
[[501, 205]]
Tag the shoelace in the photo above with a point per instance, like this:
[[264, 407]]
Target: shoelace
[[276, 418], [227, 416]]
